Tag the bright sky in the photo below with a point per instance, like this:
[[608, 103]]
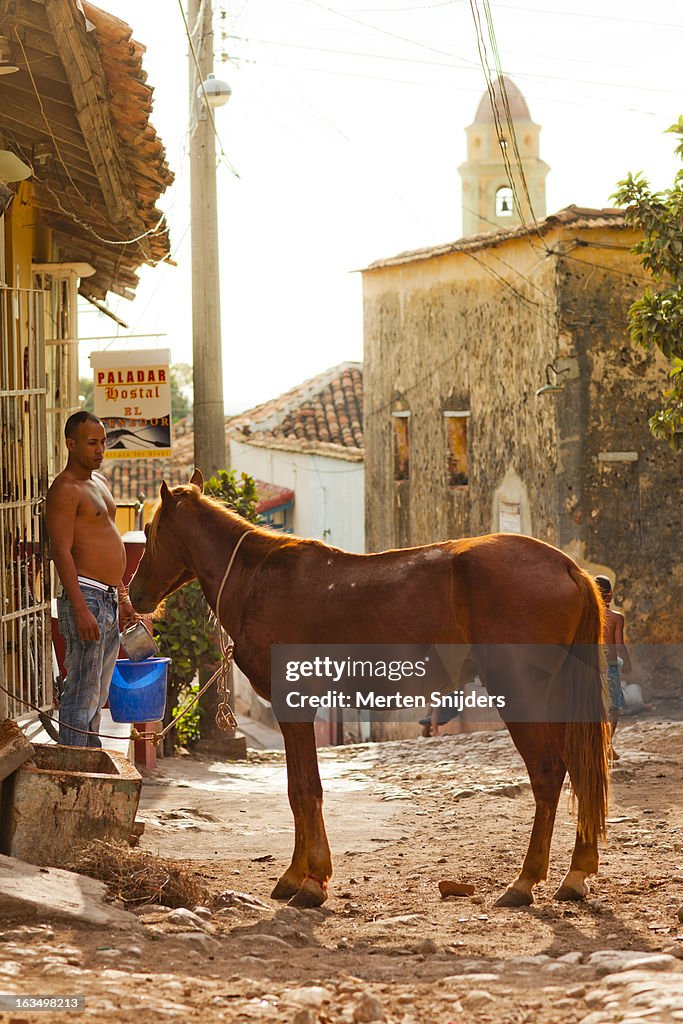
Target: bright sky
[[346, 126]]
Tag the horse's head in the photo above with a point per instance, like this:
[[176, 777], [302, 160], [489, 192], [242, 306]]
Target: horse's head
[[164, 567]]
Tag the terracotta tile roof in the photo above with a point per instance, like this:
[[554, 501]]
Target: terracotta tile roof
[[81, 80], [322, 416], [570, 216]]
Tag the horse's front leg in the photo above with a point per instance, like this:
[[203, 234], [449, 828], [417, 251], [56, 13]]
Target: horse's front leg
[[306, 878], [546, 774]]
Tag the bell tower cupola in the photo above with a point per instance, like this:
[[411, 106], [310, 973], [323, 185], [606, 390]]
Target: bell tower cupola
[[489, 200]]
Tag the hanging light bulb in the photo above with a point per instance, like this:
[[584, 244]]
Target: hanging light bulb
[[6, 68]]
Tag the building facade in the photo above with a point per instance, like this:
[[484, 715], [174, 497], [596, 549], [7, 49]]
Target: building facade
[[503, 394], [81, 170]]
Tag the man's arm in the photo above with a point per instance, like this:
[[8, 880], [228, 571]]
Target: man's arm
[[621, 648], [128, 614], [61, 511]]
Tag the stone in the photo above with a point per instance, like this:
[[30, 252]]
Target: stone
[[309, 995], [186, 918], [15, 749], [203, 912], [571, 958], [477, 999], [232, 898], [449, 887], [31, 892], [610, 961], [680, 913], [367, 1009]]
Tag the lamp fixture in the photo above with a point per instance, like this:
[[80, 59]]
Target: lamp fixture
[[12, 168], [217, 91], [550, 388], [6, 68]]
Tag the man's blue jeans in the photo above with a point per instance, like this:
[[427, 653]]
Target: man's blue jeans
[[89, 667]]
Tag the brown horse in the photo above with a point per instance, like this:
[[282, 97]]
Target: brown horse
[[494, 591]]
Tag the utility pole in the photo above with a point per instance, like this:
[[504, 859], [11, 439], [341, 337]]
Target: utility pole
[[207, 361]]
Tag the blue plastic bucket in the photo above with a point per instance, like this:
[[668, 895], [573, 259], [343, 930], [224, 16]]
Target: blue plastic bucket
[[138, 690]]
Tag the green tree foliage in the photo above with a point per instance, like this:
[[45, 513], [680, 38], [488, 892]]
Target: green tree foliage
[[86, 393], [656, 319], [188, 633]]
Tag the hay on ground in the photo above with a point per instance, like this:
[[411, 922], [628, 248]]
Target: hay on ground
[[138, 878]]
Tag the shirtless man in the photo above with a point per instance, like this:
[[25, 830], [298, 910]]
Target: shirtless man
[[90, 559], [613, 638]]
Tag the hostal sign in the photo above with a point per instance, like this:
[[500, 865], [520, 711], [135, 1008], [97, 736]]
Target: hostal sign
[[133, 400]]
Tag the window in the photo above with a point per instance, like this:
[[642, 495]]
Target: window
[[504, 202], [401, 421], [457, 462]]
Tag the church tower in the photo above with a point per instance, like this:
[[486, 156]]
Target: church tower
[[488, 202]]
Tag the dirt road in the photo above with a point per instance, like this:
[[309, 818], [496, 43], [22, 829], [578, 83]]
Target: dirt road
[[401, 816]]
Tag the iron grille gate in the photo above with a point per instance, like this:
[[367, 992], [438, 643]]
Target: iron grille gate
[[25, 607]]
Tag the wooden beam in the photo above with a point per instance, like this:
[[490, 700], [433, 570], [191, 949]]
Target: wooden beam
[[91, 99]]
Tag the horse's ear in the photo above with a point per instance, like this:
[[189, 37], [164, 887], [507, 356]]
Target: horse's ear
[[198, 480], [164, 492]]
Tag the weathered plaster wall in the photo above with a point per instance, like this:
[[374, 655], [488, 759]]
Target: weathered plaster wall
[[448, 334], [626, 518], [459, 331]]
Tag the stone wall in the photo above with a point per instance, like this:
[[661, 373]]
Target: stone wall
[[448, 334], [625, 519], [475, 330]]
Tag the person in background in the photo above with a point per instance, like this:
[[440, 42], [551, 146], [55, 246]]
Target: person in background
[[613, 638], [90, 559]]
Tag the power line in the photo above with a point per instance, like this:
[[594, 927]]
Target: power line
[[392, 35], [446, 64], [222, 154], [600, 17]]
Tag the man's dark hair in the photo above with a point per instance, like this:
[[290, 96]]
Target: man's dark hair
[[74, 421], [604, 585]]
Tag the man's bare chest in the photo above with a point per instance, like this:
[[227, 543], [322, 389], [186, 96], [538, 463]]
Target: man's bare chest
[[96, 506]]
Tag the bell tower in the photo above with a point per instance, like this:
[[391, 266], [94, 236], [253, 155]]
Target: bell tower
[[488, 201]]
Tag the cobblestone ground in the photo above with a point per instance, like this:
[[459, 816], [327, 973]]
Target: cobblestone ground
[[385, 947]]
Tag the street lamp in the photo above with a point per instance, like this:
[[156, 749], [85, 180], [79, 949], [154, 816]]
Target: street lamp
[[214, 91]]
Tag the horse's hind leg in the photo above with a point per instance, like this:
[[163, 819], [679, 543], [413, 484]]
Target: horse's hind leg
[[584, 862], [305, 880], [538, 747]]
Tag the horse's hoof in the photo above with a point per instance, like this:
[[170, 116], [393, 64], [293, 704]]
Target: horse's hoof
[[311, 894], [284, 890], [514, 898], [565, 893]]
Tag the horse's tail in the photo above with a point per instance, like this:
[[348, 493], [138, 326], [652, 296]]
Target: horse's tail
[[587, 740]]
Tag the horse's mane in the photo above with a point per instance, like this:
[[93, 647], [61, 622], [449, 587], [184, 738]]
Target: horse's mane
[[218, 506]]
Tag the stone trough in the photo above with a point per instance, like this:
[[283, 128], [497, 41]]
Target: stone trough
[[65, 797]]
